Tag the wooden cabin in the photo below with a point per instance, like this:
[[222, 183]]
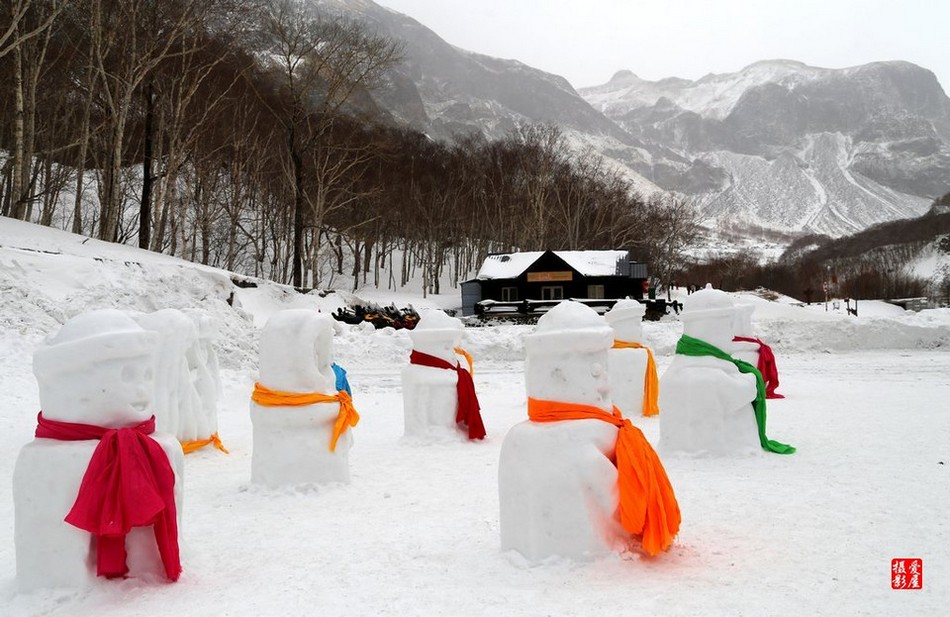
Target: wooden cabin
[[515, 280]]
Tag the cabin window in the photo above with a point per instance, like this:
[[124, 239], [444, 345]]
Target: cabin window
[[595, 292], [553, 292], [509, 294]]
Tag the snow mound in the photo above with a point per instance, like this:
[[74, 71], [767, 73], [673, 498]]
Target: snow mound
[[48, 276]]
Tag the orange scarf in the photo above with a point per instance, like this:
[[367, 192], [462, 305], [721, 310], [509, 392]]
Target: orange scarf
[[651, 382], [648, 507], [468, 358], [275, 398], [190, 446]]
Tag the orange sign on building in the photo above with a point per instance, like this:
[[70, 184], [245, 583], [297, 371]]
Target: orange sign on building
[[547, 277]]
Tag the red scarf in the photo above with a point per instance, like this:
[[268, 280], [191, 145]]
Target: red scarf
[[467, 410], [766, 366], [129, 483]]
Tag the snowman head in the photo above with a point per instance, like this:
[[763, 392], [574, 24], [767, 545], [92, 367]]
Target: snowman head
[[626, 319], [742, 321], [297, 351], [437, 334], [98, 369], [566, 356], [708, 315]]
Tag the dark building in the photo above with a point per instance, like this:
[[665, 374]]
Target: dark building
[[554, 275]]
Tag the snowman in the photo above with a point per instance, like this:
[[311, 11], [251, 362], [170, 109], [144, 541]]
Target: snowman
[[206, 381], [437, 390], [300, 419], [712, 403], [576, 479], [179, 406], [748, 347], [633, 378], [98, 491]]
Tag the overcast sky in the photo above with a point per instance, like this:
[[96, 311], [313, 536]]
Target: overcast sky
[[587, 41]]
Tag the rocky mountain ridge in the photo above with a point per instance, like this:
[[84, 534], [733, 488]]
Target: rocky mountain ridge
[[779, 144]]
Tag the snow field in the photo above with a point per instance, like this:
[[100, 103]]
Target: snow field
[[416, 530]]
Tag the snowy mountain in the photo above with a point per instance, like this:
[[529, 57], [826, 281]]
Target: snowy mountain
[[779, 144], [786, 145]]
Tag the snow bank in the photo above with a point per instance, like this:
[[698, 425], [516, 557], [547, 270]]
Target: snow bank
[[48, 276]]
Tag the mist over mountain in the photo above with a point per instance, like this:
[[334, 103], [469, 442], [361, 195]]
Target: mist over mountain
[[779, 144], [442, 89]]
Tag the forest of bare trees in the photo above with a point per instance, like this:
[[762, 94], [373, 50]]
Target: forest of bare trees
[[243, 134]]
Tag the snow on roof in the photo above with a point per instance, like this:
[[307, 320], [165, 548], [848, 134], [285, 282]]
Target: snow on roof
[[593, 263], [507, 265], [588, 263]]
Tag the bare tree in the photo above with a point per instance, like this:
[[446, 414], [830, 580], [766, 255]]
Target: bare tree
[[13, 29], [319, 63], [542, 153], [673, 227], [186, 91], [129, 39], [27, 37]]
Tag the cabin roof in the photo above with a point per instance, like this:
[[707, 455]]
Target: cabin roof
[[587, 263]]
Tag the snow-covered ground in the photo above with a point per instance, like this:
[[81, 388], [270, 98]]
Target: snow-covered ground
[[416, 531]]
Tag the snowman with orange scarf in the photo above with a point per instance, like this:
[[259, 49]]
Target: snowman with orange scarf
[[577, 479]]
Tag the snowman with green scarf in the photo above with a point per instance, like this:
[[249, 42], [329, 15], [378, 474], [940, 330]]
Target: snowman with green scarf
[[713, 404]]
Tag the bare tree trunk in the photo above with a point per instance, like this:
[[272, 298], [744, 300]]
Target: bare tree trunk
[[172, 197], [83, 150], [5, 201], [112, 191], [357, 264], [50, 193], [298, 208], [19, 145], [166, 176], [367, 257], [338, 250], [145, 206]]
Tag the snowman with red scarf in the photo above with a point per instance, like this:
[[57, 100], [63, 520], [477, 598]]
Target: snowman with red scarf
[[748, 347], [97, 491], [437, 389]]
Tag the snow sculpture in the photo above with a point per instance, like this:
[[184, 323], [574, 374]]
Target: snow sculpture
[[573, 478], [742, 319], [710, 401], [437, 391], [96, 381], [300, 419], [176, 402], [747, 351], [206, 381], [749, 348], [633, 377]]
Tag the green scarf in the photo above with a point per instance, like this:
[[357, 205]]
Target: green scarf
[[689, 346]]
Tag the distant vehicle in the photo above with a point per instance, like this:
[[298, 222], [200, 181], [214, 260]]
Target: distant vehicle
[[381, 317]]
